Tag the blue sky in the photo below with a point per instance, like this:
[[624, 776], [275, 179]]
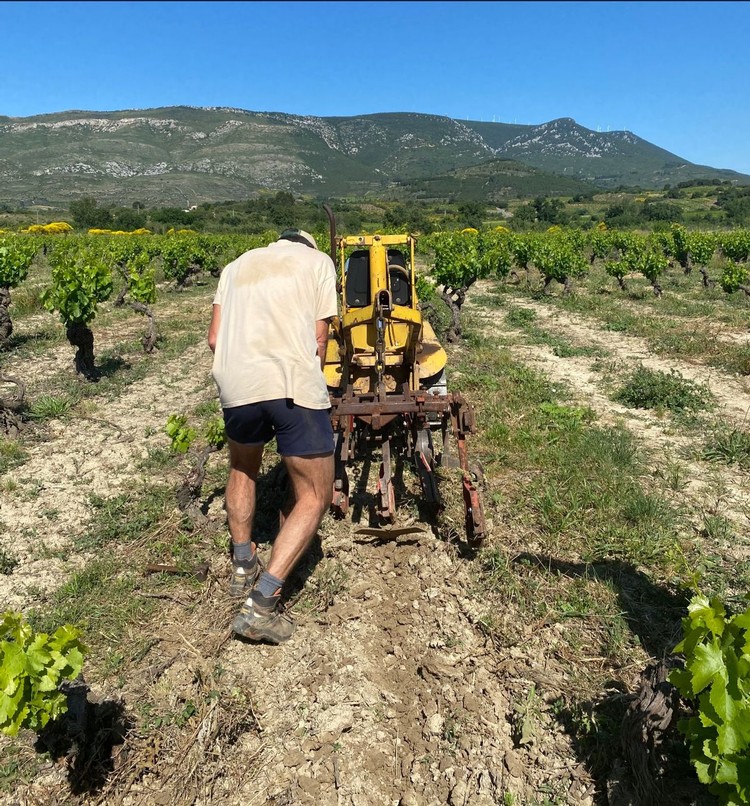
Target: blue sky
[[675, 73]]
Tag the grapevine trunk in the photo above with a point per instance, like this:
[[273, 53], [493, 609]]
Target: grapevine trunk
[[190, 489], [82, 338], [152, 334], [6, 326], [454, 299], [10, 408]]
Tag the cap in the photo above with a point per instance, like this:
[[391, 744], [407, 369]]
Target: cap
[[298, 236]]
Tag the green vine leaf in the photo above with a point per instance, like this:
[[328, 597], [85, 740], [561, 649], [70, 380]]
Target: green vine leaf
[[706, 664]]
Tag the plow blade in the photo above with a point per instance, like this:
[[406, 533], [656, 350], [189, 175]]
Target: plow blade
[[475, 527], [389, 533], [405, 419]]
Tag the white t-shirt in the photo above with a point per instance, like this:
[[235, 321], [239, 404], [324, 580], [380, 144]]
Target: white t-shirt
[[270, 300]]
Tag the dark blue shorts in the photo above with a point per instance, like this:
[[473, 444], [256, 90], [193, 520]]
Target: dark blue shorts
[[298, 431]]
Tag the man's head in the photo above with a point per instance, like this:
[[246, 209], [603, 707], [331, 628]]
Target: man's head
[[298, 236]]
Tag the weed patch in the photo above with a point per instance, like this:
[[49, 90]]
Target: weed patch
[[733, 359], [11, 454], [20, 764], [579, 519], [654, 389], [99, 599], [520, 317], [730, 446], [49, 407], [126, 517], [589, 499], [565, 417], [8, 562], [321, 589]]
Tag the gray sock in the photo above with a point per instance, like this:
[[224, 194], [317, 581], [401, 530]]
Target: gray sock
[[243, 554], [269, 586]]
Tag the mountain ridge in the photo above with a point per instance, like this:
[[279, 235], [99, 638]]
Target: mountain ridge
[[188, 154]]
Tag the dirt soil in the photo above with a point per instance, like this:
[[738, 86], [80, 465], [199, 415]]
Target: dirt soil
[[80, 457], [389, 692]]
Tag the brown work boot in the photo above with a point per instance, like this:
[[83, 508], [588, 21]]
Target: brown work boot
[[259, 623], [242, 580]]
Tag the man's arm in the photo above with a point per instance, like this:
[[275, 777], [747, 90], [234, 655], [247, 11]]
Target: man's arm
[[321, 337], [213, 329]]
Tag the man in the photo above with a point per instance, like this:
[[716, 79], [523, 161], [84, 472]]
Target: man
[[268, 333]]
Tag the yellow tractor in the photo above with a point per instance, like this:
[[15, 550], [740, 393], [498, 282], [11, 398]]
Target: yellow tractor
[[385, 371]]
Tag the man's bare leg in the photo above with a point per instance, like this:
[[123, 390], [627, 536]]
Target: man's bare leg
[[288, 504], [244, 466], [311, 480]]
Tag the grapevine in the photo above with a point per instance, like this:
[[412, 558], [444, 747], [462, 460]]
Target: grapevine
[[80, 281], [32, 666], [180, 433], [735, 277], [458, 265], [716, 678], [140, 287], [16, 255], [559, 259], [701, 248], [183, 437]]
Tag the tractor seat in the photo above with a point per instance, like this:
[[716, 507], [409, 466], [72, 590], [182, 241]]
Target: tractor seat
[[358, 279], [398, 278], [400, 285]]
